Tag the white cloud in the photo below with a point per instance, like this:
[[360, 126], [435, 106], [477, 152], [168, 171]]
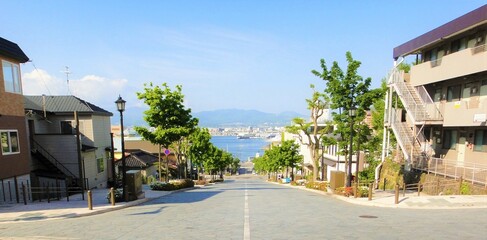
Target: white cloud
[[40, 82], [98, 90]]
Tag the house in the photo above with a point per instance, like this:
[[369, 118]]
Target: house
[[134, 147], [442, 128], [141, 160], [15, 154], [57, 151]]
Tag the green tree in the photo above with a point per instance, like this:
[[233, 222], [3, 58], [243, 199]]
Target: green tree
[[167, 116], [289, 152], [348, 90], [200, 148], [309, 132]]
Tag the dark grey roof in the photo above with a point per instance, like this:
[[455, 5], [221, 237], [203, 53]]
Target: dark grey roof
[[12, 50], [463, 23], [63, 104], [140, 159]]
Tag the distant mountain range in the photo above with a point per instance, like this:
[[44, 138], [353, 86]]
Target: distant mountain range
[[243, 118]]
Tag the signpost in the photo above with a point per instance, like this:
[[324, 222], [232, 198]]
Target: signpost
[[167, 152]]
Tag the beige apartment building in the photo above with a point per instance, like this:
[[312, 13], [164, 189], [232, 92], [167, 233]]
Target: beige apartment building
[[441, 126]]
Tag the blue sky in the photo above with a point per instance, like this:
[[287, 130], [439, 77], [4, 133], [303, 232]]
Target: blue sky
[[226, 54]]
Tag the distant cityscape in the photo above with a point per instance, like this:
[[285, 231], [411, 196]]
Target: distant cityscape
[[248, 132]]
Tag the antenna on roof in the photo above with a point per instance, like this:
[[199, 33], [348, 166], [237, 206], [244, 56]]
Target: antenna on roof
[[67, 72]]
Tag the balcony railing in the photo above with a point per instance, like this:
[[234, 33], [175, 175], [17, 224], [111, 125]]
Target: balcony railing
[[479, 49]]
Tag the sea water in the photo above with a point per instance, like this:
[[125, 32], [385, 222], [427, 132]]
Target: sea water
[[243, 149]]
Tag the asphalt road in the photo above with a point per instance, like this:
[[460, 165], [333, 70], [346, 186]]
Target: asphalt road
[[253, 209]]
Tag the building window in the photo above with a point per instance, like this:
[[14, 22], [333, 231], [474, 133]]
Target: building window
[[480, 143], [10, 142], [453, 93], [11, 76], [450, 139], [459, 45], [67, 127], [100, 165], [483, 88], [437, 95], [470, 90]]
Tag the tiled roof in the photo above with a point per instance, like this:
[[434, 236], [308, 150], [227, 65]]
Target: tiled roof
[[140, 159], [63, 104], [12, 50], [143, 159]]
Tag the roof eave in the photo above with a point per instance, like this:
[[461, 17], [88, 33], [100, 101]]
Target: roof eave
[[461, 24]]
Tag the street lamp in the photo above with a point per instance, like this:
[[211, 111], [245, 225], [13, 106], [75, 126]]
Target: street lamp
[[121, 107], [351, 113]]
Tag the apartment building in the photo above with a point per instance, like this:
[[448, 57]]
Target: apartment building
[[442, 126], [15, 155]]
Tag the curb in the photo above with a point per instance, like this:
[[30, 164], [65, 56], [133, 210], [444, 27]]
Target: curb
[[101, 211]]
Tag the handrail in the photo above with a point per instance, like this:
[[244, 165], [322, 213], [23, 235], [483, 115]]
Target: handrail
[[52, 159], [423, 94]]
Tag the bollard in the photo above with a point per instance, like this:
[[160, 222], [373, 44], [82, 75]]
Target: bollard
[[460, 186], [356, 190], [385, 180], [370, 192], [419, 188], [24, 196], [67, 193], [90, 201], [396, 195], [48, 196], [112, 196]]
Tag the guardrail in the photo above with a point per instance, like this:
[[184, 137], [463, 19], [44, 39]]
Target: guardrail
[[475, 173]]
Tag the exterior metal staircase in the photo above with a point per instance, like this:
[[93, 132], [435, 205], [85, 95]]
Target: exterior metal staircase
[[420, 110], [44, 156]]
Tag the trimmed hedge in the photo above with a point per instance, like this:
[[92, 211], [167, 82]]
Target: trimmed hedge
[[172, 185]]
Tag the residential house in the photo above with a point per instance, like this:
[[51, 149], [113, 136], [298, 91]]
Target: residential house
[[15, 156], [135, 145], [52, 122], [443, 126], [141, 160]]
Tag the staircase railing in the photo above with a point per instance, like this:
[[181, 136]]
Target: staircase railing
[[433, 112], [41, 150], [413, 105]]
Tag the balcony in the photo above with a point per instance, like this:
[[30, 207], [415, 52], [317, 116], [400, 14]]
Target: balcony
[[467, 61]]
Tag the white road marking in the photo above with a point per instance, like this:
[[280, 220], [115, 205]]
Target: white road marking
[[246, 216]]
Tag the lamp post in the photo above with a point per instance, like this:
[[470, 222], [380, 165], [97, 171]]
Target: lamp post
[[121, 107], [351, 113]]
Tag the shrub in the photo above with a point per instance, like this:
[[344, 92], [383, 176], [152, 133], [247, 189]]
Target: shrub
[[363, 191], [344, 191], [200, 182], [216, 180], [465, 189], [118, 195], [162, 186], [150, 179], [172, 185], [317, 185]]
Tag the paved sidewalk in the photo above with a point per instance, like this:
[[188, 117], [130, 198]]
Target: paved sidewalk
[[410, 200], [76, 207]]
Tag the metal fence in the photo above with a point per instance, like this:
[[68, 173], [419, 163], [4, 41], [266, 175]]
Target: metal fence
[[23, 192], [475, 173]]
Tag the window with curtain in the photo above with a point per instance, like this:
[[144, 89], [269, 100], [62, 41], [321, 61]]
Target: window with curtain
[[10, 142]]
